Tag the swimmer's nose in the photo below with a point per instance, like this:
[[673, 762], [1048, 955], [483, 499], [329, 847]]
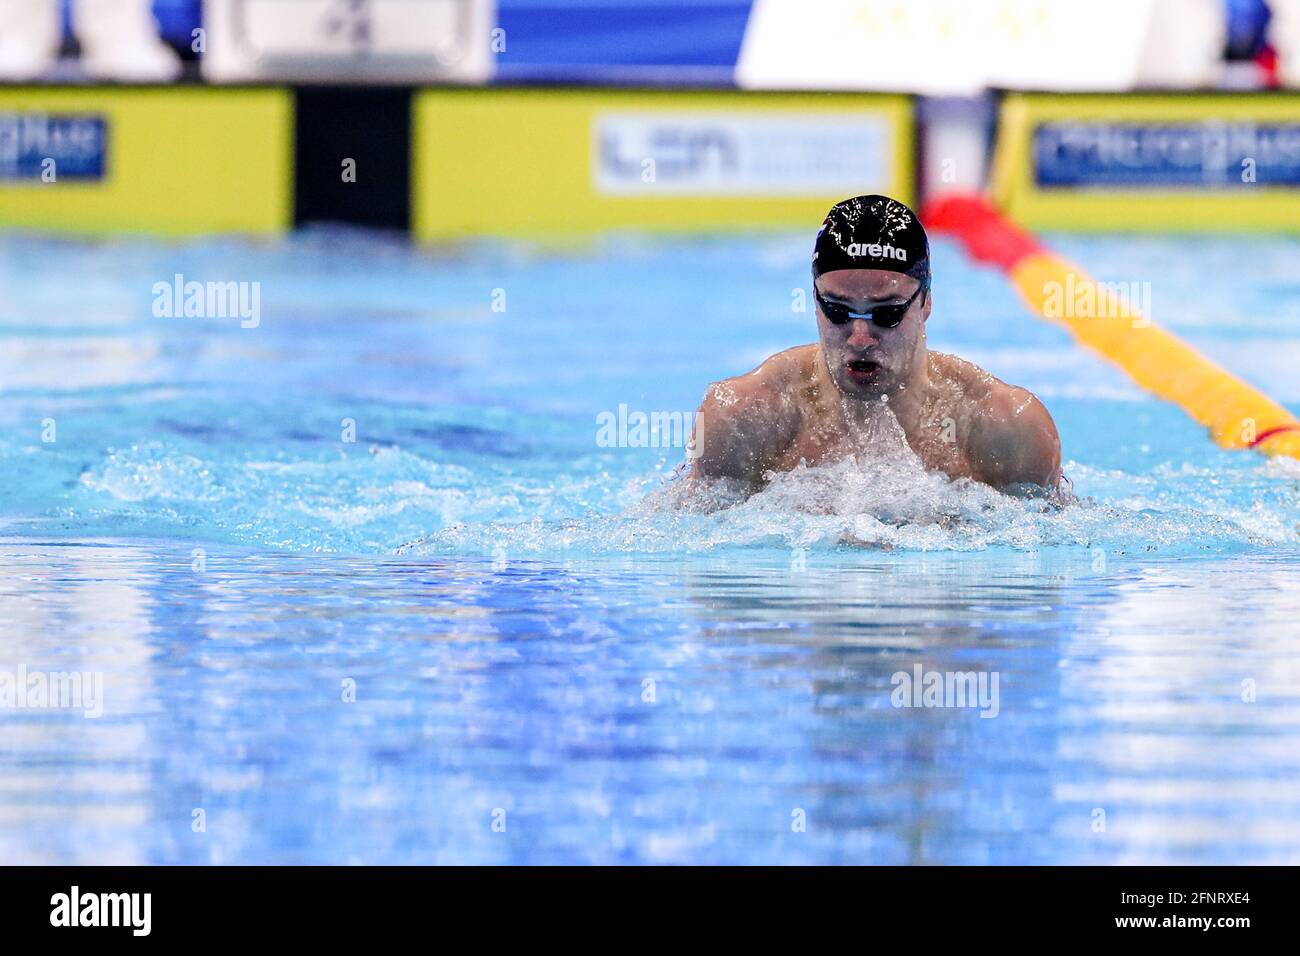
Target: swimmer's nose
[[861, 337]]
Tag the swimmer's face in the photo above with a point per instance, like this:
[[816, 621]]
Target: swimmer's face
[[865, 359]]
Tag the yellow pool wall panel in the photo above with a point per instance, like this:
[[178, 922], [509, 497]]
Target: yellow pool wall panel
[[178, 161], [1257, 206], [524, 162]]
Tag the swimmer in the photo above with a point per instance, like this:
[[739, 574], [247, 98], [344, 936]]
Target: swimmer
[[871, 374]]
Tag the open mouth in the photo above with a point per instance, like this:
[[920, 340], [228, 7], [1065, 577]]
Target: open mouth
[[862, 368]]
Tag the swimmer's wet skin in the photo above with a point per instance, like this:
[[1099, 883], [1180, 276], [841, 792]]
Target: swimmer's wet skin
[[871, 376]]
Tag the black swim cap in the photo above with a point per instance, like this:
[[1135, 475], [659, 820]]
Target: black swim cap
[[872, 232]]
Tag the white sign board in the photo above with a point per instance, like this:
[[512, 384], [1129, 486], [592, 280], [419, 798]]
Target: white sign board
[[961, 47], [349, 40]]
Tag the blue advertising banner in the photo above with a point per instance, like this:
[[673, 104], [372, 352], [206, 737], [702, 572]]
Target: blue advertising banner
[[52, 146], [1216, 154]]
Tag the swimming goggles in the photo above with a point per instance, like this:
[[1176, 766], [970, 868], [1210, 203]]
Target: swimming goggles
[[885, 316]]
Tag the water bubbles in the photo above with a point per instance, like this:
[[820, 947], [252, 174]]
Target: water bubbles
[[877, 504]]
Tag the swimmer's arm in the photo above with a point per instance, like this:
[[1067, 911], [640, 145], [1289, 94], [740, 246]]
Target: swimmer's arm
[[740, 429], [1013, 442]]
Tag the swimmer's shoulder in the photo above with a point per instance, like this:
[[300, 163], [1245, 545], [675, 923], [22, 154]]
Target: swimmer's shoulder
[[789, 368], [768, 387], [746, 421], [956, 373], [1010, 435], [981, 390]]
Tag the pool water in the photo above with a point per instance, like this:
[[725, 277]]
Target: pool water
[[374, 579]]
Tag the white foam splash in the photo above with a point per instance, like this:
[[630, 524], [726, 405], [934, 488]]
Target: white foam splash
[[886, 503], [883, 500]]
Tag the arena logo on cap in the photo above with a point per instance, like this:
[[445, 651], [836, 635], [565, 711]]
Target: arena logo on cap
[[877, 251], [52, 147]]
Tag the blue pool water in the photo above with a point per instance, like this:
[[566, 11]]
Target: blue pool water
[[478, 633]]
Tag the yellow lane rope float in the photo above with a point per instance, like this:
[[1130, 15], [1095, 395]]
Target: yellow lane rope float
[[1107, 320]]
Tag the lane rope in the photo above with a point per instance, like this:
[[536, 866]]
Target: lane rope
[[1103, 318]]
